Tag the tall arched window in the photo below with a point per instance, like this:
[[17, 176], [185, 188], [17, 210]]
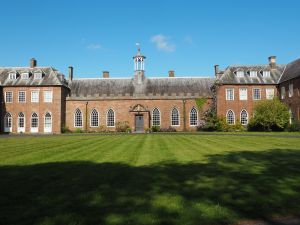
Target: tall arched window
[[7, 122], [34, 122], [110, 120], [48, 122], [193, 117], [230, 117], [21, 122], [78, 118], [155, 117], [244, 117], [175, 117], [94, 118]]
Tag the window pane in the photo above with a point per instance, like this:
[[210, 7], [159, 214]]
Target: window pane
[[175, 117], [156, 117], [110, 118], [230, 117], [34, 96], [47, 96], [193, 117], [243, 94]]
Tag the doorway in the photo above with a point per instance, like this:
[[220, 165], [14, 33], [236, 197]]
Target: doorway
[[139, 123]]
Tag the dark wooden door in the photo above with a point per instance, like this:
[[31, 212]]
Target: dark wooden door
[[139, 123]]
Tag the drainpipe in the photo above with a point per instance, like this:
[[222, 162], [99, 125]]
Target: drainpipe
[[86, 116], [184, 116]]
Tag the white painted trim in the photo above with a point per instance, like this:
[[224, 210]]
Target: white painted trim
[[232, 94], [159, 117], [19, 96], [74, 120], [12, 96], [253, 94], [48, 129], [190, 117], [91, 117], [8, 129], [178, 117], [107, 117], [21, 129], [247, 117], [34, 129], [233, 116]]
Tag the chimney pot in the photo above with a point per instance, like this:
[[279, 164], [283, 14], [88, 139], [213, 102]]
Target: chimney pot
[[105, 74], [70, 73], [217, 70], [171, 73], [272, 62], [33, 63]]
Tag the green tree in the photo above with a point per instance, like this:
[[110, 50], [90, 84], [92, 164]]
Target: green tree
[[270, 115]]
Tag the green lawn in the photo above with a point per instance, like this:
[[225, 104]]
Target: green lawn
[[147, 179]]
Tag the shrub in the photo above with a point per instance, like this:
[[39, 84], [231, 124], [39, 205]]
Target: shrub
[[169, 129], [155, 128], [65, 129], [270, 115], [78, 130], [122, 126], [128, 130], [294, 127]]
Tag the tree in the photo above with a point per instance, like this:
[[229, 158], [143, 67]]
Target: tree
[[269, 115]]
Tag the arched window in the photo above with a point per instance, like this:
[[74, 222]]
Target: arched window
[[244, 117], [175, 117], [21, 122], [110, 120], [78, 118], [94, 118], [155, 117], [230, 117], [7, 122], [193, 117], [48, 122]]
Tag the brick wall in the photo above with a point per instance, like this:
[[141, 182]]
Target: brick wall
[[122, 111], [27, 108], [292, 102], [238, 105]]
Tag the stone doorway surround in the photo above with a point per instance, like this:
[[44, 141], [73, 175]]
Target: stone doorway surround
[[140, 110]]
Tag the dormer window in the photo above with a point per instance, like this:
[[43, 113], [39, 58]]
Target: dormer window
[[24, 76], [12, 76], [253, 73], [240, 73], [266, 74], [38, 75]]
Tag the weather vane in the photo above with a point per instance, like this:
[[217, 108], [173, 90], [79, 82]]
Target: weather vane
[[138, 46]]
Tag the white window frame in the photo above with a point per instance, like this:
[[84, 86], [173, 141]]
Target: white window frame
[[227, 95], [175, 125], [75, 118], [12, 97], [159, 117], [282, 92], [25, 76], [240, 73], [253, 73], [21, 129], [107, 121], [266, 73], [8, 120], [253, 94], [48, 129], [37, 75], [246, 94], [34, 129], [12, 76], [268, 95], [38, 96], [91, 117], [48, 100], [19, 96], [291, 90], [233, 117], [190, 118], [247, 117]]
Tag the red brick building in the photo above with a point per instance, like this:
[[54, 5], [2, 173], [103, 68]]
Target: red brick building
[[41, 100]]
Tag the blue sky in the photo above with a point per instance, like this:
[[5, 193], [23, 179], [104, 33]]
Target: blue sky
[[186, 36]]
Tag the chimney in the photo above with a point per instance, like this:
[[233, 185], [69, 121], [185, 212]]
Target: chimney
[[33, 63], [70, 73], [171, 73], [272, 62], [105, 74], [217, 71]]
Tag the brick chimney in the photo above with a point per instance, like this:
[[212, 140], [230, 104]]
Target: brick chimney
[[105, 74], [272, 62], [217, 70], [70, 73], [33, 63], [171, 73]]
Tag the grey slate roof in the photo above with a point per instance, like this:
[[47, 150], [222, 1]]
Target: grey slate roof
[[51, 77], [128, 86], [229, 76], [292, 71]]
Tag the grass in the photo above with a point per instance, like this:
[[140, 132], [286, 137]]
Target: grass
[[148, 179]]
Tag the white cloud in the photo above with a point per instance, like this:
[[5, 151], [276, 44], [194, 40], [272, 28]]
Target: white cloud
[[162, 43], [94, 46]]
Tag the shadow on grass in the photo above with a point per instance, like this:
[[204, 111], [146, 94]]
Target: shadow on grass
[[228, 187]]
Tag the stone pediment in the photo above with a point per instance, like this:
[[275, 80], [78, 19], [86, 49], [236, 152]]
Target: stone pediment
[[138, 108]]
